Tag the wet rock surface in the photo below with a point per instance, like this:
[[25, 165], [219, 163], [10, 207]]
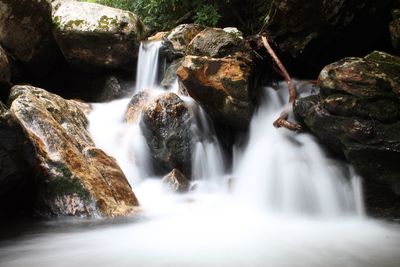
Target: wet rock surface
[[166, 126], [137, 104], [218, 73], [357, 114], [71, 177], [92, 36]]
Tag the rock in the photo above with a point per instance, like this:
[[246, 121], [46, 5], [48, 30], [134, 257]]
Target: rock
[[137, 104], [182, 35], [358, 114], [17, 161], [73, 177], [169, 76], [176, 181], [6, 71], [223, 86], [92, 36], [376, 75], [218, 73], [394, 30], [217, 43], [25, 31], [5, 67], [159, 36], [166, 124]]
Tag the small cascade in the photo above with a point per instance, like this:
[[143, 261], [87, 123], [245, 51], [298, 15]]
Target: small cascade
[[147, 67], [286, 172], [208, 160]]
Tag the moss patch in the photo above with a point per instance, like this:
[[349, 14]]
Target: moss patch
[[62, 186], [73, 23], [106, 22]]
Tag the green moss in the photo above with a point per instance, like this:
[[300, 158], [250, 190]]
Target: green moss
[[388, 63], [238, 86], [62, 186], [72, 23], [105, 22], [57, 22]]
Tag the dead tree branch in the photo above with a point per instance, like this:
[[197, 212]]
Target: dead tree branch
[[282, 120]]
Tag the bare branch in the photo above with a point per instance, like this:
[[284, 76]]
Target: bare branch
[[282, 120]]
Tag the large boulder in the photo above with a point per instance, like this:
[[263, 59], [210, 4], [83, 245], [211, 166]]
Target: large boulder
[[218, 43], [72, 176], [166, 124], [357, 113], [218, 73], [17, 161], [96, 37], [25, 31]]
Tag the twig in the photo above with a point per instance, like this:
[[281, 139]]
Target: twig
[[282, 120]]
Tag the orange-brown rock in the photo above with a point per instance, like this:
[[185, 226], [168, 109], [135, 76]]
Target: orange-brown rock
[[72, 176], [218, 73], [221, 85]]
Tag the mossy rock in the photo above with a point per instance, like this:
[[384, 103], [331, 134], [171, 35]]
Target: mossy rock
[[72, 177], [95, 37], [376, 75]]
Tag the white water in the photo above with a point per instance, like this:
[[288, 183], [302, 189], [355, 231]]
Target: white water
[[147, 68], [285, 204]]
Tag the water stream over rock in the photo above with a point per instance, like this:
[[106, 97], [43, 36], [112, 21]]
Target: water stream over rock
[[283, 202]]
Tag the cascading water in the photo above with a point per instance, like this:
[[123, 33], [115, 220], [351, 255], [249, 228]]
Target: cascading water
[[290, 173], [147, 69], [284, 204]]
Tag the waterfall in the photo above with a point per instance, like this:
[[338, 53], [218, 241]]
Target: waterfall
[[147, 67], [284, 204], [288, 172], [277, 171]]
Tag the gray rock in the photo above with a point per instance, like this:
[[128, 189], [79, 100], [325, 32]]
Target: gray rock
[[358, 114], [92, 36], [166, 124]]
